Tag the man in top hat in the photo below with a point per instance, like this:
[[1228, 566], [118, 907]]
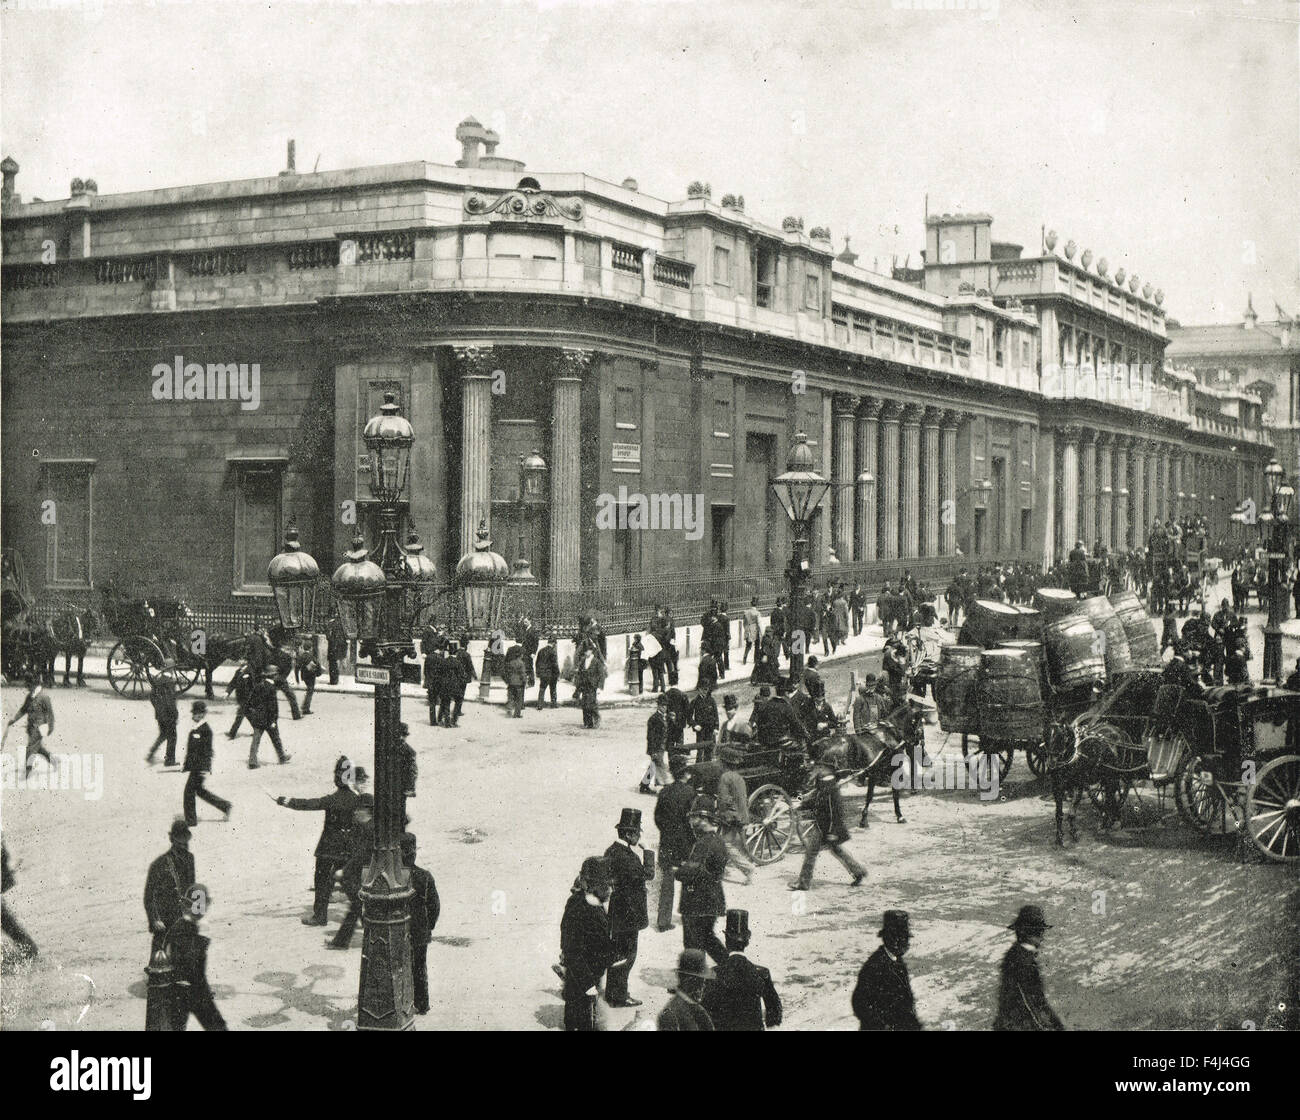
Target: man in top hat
[[883, 999], [1022, 1002], [169, 877], [162, 696], [685, 1012], [703, 899], [733, 729], [263, 712], [39, 711], [199, 757], [742, 996], [628, 912], [676, 838], [585, 946]]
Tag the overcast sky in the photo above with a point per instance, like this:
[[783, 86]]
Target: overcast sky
[[1163, 135]]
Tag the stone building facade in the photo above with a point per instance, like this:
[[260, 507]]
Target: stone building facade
[[186, 369]]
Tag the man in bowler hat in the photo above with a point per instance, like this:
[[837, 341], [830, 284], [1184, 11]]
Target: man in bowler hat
[[628, 913], [703, 899], [586, 950], [1022, 1002], [883, 1000], [263, 712], [742, 996], [685, 1012], [169, 877], [199, 758]]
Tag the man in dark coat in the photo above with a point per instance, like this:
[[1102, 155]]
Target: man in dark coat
[[685, 1011], [352, 874], [676, 838], [425, 909], [548, 671], [883, 1000], [199, 757], [264, 715], [703, 899], [435, 685], [189, 961], [336, 641], [334, 848], [656, 746], [708, 677], [460, 673], [829, 830], [679, 716], [774, 720], [162, 696], [628, 913], [169, 877], [40, 721], [742, 996], [586, 950], [1077, 570], [241, 684], [515, 668], [24, 946], [528, 638], [1022, 1002], [704, 719]]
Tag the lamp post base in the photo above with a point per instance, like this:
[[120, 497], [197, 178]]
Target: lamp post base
[[387, 1000], [1272, 654]]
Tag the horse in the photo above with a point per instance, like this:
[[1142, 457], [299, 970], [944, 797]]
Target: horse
[[1079, 758]]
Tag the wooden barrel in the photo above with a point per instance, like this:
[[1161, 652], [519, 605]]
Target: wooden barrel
[[1139, 629], [1010, 702], [955, 689], [1030, 626], [1055, 602], [1073, 653], [1115, 649], [991, 622], [1034, 651]]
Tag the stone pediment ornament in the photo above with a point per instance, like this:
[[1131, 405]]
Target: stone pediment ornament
[[523, 205]]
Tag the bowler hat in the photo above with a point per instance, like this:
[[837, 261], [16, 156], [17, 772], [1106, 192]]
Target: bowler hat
[[706, 806], [765, 690], [813, 662], [693, 962], [180, 829], [737, 927], [360, 774], [729, 701], [1030, 918], [895, 924], [199, 708], [594, 875], [630, 819]]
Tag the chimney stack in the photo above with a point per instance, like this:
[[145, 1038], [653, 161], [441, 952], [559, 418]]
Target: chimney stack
[[9, 166], [291, 169]]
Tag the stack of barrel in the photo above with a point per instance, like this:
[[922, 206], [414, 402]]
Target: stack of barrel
[[1139, 628]]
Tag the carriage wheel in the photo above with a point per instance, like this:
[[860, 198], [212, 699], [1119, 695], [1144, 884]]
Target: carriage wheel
[[130, 665], [185, 677], [980, 763], [1036, 759], [774, 820], [1201, 801], [1273, 809]]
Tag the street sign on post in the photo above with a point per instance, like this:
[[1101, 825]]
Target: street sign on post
[[368, 674]]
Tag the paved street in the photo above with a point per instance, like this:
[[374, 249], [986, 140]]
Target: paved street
[[1153, 927]]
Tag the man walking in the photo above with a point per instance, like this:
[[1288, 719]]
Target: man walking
[[704, 719], [753, 629], [163, 698], [858, 605], [585, 946], [628, 913], [829, 830], [1022, 1002], [169, 877], [189, 961], [425, 909], [352, 873], [548, 671], [733, 809], [676, 838], [40, 722], [241, 684], [264, 715], [742, 996], [883, 1000], [336, 644], [199, 757], [656, 746], [703, 899]]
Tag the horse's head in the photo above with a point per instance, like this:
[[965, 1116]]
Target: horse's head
[[1060, 743]]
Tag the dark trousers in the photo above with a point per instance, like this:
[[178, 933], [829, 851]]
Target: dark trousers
[[542, 686], [199, 1003], [348, 926], [311, 691], [194, 788], [239, 718], [284, 687], [334, 666], [22, 940], [697, 933], [420, 976], [814, 842], [579, 1011], [323, 883], [672, 666], [625, 944], [166, 734], [858, 617], [35, 747], [748, 646], [658, 673], [272, 733], [667, 892], [515, 699]]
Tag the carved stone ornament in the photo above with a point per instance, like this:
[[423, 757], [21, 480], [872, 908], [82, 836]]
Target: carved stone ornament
[[523, 205]]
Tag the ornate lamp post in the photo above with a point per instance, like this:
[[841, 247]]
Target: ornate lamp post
[[382, 590], [296, 584], [481, 576], [532, 496], [800, 490], [1281, 500]]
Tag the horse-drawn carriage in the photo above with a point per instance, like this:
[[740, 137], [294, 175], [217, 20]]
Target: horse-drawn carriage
[[27, 648]]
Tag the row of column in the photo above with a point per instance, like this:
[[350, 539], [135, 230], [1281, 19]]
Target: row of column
[[909, 508], [476, 365], [1113, 487]]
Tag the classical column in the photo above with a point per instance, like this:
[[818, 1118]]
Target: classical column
[[948, 483], [1153, 489], [930, 469], [1176, 496], [1105, 489], [566, 467], [868, 460], [1088, 489], [1122, 494], [1166, 483], [1069, 442], [475, 364], [1138, 495], [910, 484], [843, 408], [887, 486]]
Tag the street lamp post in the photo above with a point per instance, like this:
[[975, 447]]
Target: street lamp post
[[381, 592], [800, 490], [481, 576], [1281, 498]]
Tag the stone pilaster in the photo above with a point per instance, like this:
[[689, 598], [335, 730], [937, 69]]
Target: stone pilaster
[[1153, 485], [1122, 494], [571, 367], [909, 531], [843, 408], [948, 425], [475, 364], [930, 482], [869, 460], [887, 486], [1177, 499], [1088, 489], [1068, 440], [1138, 495], [1105, 489]]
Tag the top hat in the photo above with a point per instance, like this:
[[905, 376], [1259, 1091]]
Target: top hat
[[729, 702], [630, 820], [594, 875], [895, 924], [693, 962], [737, 927], [199, 708], [1030, 919], [813, 662], [179, 829]]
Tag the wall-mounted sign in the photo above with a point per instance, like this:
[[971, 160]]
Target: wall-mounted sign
[[627, 453], [368, 674]]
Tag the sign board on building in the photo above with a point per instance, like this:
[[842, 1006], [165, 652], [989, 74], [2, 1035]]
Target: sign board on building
[[629, 453], [368, 674]]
